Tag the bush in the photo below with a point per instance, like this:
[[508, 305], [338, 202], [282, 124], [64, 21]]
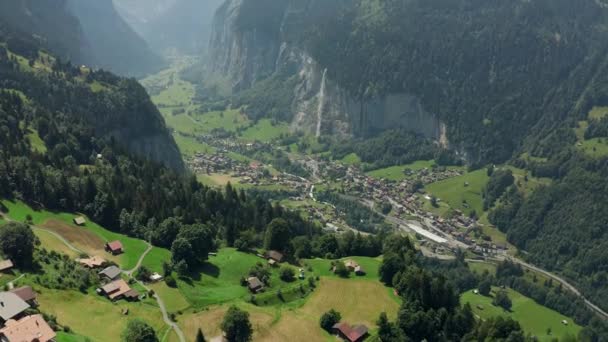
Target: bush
[[287, 274], [170, 281], [341, 270], [329, 319], [502, 299]]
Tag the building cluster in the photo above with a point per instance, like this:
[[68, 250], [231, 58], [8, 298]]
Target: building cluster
[[16, 324]]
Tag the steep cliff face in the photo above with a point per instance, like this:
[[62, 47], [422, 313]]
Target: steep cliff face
[[247, 46]]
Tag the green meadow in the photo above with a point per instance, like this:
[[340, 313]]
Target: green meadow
[[396, 173], [462, 192], [534, 318]]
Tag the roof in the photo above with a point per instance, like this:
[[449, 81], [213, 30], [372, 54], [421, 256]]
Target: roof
[[109, 288], [93, 262], [131, 294], [351, 263], [115, 245], [80, 220], [254, 283], [275, 255], [354, 333], [111, 272], [122, 286], [6, 265], [30, 328], [25, 292], [11, 305]]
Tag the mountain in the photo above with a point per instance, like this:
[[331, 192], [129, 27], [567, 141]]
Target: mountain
[[182, 25], [479, 76], [107, 107], [112, 41]]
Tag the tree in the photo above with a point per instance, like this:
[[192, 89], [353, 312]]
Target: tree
[[329, 319], [17, 243], [287, 273], [341, 270], [236, 325], [181, 249], [199, 336], [138, 331], [485, 286], [277, 235], [143, 273], [502, 299]]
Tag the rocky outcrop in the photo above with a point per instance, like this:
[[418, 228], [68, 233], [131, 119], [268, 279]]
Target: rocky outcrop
[[244, 53]]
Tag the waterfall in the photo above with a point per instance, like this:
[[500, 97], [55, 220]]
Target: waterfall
[[321, 103]]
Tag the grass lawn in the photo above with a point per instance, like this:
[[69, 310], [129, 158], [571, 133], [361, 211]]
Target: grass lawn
[[52, 243], [322, 267], [178, 93], [351, 159], [229, 120], [181, 123], [95, 316], [533, 183], [65, 337], [595, 147], [480, 267], [172, 297], [597, 113], [38, 144], [89, 238], [534, 318], [155, 258], [395, 173], [454, 191], [189, 146], [264, 131], [217, 179]]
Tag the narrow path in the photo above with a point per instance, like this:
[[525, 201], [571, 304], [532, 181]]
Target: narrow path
[[61, 238], [166, 318], [140, 261]]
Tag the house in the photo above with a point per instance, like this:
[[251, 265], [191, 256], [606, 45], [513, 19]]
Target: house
[[119, 289], [30, 328], [255, 285], [27, 294], [6, 265], [351, 265], [11, 306], [114, 247], [80, 221], [359, 271], [275, 255], [154, 277], [355, 333], [94, 262], [110, 273]]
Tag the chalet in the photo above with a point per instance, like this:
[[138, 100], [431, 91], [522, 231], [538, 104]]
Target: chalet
[[11, 306], [110, 273], [27, 294], [6, 265], [351, 264], [278, 257], [154, 277], [255, 285], [114, 247], [359, 271], [80, 221], [349, 333], [94, 262], [119, 289], [30, 328]]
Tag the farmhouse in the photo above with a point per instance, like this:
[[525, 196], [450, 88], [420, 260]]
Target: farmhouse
[[119, 289], [11, 306], [275, 256], [114, 247], [255, 285], [110, 273], [79, 221], [27, 294], [355, 333], [93, 262], [30, 328], [359, 271], [351, 265], [6, 265]]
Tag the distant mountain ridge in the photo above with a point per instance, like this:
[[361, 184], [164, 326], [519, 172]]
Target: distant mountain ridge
[[86, 32]]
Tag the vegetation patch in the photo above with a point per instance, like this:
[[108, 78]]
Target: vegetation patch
[[397, 173], [265, 130], [53, 243], [534, 318], [462, 192]]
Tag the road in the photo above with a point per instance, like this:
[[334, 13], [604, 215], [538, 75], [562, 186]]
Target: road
[[166, 318]]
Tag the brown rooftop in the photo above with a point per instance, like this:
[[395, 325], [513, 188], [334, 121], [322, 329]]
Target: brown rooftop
[[6, 265], [25, 292], [30, 328]]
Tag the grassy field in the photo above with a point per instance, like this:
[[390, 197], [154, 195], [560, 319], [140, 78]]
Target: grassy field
[[37, 144], [455, 191], [350, 297], [89, 238], [395, 173], [52, 243], [533, 183], [595, 147], [534, 318], [229, 120], [265, 131], [189, 146], [65, 337], [322, 267], [94, 316], [598, 113], [155, 258]]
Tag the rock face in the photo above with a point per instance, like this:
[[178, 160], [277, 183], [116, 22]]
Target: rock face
[[246, 47]]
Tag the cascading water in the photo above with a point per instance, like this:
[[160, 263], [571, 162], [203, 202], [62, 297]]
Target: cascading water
[[321, 103]]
